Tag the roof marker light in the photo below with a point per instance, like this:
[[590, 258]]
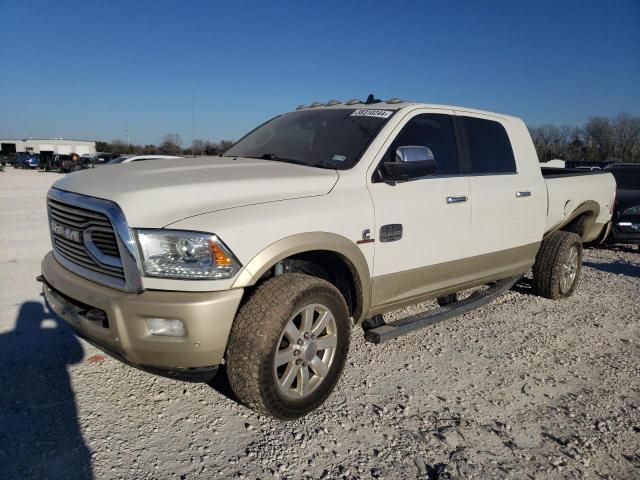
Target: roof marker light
[[300, 107], [316, 104], [330, 103], [353, 101], [395, 100]]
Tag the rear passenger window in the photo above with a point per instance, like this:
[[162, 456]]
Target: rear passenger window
[[434, 131], [486, 145]]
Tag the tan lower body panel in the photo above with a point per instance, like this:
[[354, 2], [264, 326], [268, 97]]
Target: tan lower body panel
[[596, 230], [401, 289], [207, 316]]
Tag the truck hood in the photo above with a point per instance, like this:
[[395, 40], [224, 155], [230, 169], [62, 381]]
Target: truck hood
[[156, 193]]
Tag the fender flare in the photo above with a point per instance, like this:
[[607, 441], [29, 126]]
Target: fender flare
[[307, 242], [589, 206]]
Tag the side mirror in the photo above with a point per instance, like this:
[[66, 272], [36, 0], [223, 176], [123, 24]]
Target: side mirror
[[410, 162]]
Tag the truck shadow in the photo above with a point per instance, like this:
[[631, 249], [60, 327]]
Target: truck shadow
[[39, 431], [220, 384], [617, 267], [523, 286]]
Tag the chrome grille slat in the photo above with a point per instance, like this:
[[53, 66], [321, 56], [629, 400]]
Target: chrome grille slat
[[64, 218], [76, 210], [85, 261], [95, 228], [84, 257], [81, 257], [72, 247], [103, 233], [91, 267]]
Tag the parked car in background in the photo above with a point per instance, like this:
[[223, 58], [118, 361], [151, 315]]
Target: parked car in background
[[19, 159], [65, 163], [31, 162], [26, 160], [626, 216], [56, 162], [102, 158], [590, 169], [138, 158], [6, 159], [87, 161]]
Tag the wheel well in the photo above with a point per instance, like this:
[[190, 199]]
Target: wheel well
[[330, 266], [581, 224]]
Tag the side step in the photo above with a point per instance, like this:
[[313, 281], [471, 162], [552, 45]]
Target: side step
[[478, 299]]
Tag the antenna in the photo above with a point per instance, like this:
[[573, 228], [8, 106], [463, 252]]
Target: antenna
[[372, 99]]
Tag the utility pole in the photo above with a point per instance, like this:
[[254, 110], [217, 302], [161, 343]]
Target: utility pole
[[126, 132], [193, 120]]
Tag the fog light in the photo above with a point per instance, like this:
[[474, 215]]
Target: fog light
[[169, 327]]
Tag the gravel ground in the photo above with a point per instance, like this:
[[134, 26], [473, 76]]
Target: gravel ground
[[523, 388]]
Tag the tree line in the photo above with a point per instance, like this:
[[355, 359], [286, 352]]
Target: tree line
[[599, 139], [171, 145]]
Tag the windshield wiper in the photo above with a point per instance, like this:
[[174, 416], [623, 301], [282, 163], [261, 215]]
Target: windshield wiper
[[276, 158]]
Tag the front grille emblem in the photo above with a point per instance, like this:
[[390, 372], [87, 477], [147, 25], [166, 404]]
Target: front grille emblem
[[65, 232]]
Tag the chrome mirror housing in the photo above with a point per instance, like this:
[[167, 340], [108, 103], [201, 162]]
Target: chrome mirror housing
[[414, 154]]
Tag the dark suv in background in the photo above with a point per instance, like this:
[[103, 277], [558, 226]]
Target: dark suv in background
[[26, 160], [626, 217]]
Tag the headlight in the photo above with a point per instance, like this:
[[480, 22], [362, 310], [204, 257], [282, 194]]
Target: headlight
[[632, 211], [185, 255]]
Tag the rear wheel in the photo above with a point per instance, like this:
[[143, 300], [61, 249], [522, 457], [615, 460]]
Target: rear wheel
[[288, 345], [558, 265]]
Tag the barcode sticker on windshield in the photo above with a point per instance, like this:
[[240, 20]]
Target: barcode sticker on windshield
[[370, 112]]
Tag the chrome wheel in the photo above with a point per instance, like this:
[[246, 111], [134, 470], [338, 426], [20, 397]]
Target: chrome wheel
[[306, 351], [569, 270]]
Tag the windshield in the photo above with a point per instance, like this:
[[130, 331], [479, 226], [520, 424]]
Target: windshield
[[331, 138]]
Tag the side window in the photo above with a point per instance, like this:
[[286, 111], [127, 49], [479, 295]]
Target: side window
[[434, 131], [486, 146]]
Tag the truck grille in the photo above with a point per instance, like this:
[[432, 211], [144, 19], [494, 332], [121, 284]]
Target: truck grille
[[85, 238]]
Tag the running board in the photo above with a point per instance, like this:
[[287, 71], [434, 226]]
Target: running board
[[475, 300]]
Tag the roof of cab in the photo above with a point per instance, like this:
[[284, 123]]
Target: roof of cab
[[396, 104]]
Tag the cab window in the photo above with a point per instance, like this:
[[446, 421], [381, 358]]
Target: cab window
[[434, 131], [486, 146]]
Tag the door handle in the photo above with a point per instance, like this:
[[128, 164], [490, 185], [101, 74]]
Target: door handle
[[523, 193], [456, 199]]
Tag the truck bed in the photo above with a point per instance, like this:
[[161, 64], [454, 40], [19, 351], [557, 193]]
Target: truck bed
[[568, 189]]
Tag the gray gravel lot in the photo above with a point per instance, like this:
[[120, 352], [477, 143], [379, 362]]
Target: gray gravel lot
[[522, 388]]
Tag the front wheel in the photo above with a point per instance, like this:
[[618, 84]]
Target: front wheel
[[558, 265], [288, 345]]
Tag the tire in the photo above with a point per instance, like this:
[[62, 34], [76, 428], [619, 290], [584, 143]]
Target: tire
[[262, 328], [558, 265]]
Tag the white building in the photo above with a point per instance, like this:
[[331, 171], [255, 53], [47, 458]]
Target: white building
[[61, 146]]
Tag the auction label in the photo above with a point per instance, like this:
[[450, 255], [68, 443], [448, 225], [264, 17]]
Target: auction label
[[370, 112]]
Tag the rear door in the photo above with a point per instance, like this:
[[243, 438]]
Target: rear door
[[422, 225], [505, 201]]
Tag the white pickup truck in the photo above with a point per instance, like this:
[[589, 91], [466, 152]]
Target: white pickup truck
[[262, 260]]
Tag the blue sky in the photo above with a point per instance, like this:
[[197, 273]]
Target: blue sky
[[83, 69]]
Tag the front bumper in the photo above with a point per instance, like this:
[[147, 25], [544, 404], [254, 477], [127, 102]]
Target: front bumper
[[207, 316]]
